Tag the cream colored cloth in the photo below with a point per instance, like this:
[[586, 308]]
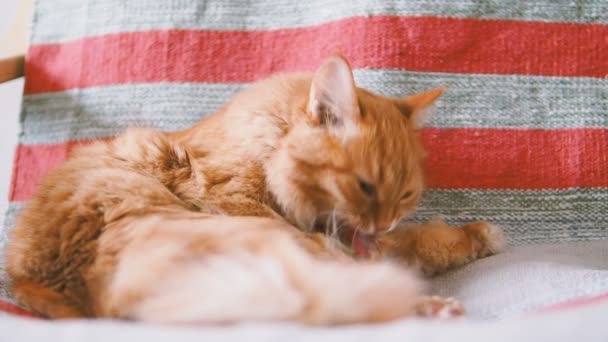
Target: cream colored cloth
[[586, 324], [528, 278]]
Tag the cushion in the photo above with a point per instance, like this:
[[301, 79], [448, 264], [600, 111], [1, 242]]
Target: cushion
[[519, 138]]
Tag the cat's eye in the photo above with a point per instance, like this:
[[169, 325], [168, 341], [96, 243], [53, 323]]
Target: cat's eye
[[407, 195], [367, 188]]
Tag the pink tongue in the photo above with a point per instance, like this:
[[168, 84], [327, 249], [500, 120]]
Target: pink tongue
[[362, 243]]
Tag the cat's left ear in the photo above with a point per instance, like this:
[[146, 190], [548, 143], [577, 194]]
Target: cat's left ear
[[416, 107], [333, 100]]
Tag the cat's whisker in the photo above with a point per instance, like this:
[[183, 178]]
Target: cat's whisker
[[339, 226], [311, 226], [393, 225], [334, 224], [328, 222]]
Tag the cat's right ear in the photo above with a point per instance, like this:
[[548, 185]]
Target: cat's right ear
[[416, 107], [333, 100]]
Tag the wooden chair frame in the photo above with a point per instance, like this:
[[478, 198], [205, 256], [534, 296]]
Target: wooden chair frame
[[11, 68]]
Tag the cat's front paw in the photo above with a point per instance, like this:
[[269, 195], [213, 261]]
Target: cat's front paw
[[490, 238]]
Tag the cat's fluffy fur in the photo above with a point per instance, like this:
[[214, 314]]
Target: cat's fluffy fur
[[216, 223]]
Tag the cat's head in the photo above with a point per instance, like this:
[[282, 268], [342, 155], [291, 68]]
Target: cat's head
[[356, 161]]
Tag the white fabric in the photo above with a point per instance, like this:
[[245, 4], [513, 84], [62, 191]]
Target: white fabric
[[527, 278], [586, 324]]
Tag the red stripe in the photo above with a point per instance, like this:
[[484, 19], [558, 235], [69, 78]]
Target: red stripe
[[576, 303], [415, 43], [32, 162], [459, 158], [15, 310], [516, 159]]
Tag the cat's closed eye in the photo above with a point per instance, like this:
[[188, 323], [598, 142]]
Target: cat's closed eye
[[367, 188], [407, 195]]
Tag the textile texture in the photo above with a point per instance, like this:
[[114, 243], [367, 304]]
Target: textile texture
[[520, 137]]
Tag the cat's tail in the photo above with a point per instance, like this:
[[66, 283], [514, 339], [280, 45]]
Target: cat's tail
[[251, 274], [44, 301]]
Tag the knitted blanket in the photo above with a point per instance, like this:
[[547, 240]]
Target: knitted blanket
[[520, 137]]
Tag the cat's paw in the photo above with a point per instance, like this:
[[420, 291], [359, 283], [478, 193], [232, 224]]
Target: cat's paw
[[491, 238], [439, 307]]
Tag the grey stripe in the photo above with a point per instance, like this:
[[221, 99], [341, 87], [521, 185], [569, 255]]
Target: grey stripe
[[543, 216], [501, 101], [527, 216], [62, 20], [7, 223], [107, 111], [484, 101]]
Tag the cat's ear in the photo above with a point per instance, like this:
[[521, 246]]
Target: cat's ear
[[333, 100], [416, 107]]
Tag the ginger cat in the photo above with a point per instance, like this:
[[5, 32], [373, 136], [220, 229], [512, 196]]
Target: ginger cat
[[225, 221]]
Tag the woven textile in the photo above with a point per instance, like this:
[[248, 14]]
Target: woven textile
[[520, 138]]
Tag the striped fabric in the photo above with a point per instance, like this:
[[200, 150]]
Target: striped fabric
[[520, 138]]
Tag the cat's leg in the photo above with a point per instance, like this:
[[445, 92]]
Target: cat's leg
[[230, 269], [435, 247]]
